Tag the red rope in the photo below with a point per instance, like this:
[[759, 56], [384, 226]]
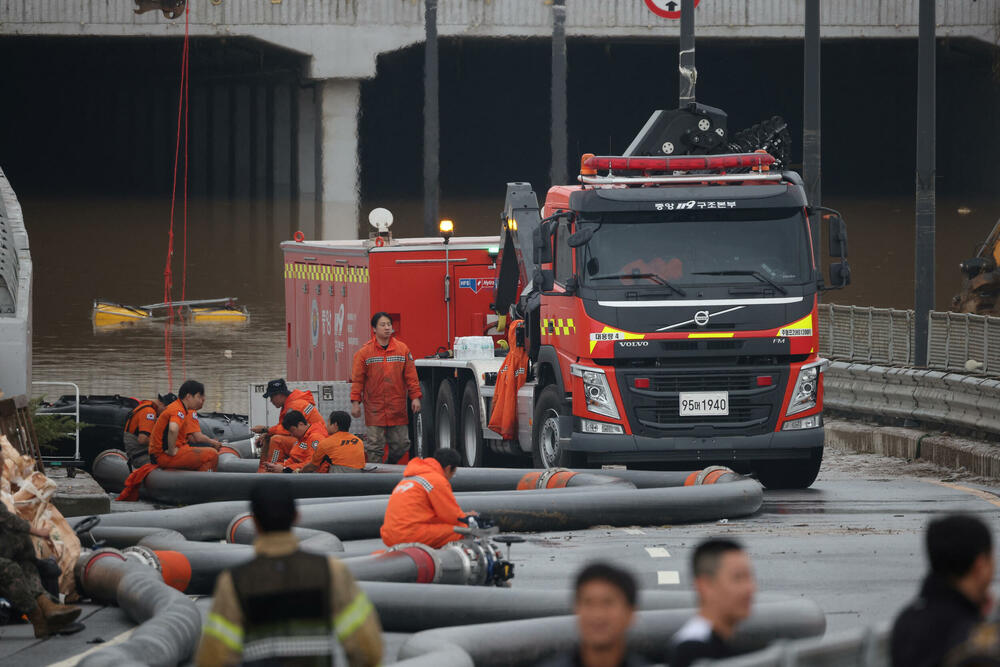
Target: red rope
[[187, 100], [168, 276]]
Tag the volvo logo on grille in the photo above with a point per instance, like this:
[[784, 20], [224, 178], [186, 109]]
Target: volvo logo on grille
[[634, 343], [701, 318]]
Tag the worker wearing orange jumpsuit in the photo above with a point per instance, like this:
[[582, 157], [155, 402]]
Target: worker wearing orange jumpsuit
[[422, 507], [382, 376], [278, 442], [176, 427], [307, 438]]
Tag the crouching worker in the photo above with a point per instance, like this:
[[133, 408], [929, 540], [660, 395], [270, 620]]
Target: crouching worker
[[286, 606], [139, 425], [169, 443], [307, 438], [422, 507], [276, 444], [342, 451]]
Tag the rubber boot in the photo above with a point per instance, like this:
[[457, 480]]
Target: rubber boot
[[56, 614], [40, 623]]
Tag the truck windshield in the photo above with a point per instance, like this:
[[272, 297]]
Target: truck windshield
[[766, 248]]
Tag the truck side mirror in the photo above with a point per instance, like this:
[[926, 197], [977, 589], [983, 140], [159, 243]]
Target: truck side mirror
[[547, 279], [840, 275], [543, 243], [838, 235]]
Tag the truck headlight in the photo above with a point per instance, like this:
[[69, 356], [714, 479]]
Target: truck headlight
[[596, 391], [806, 390]]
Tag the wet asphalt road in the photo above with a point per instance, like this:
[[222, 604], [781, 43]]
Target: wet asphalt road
[[852, 543]]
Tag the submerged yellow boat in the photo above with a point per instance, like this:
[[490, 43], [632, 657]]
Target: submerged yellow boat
[[232, 313], [112, 314], [107, 313]]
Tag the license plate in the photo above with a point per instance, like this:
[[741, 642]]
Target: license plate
[[704, 403]]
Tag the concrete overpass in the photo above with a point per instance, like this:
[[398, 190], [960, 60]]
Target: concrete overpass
[[340, 41]]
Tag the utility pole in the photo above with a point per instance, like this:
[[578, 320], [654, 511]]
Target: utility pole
[[926, 138], [689, 74], [557, 173], [811, 166], [432, 129]]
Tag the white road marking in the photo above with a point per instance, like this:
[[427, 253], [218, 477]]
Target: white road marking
[[634, 531], [657, 552], [664, 577], [71, 662]]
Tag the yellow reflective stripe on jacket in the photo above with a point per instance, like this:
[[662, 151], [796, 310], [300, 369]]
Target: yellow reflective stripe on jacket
[[353, 616], [226, 632]]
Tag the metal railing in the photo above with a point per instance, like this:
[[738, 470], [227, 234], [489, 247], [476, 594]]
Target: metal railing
[[959, 342], [75, 413], [862, 647]]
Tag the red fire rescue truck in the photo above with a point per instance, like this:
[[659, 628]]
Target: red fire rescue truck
[[670, 303]]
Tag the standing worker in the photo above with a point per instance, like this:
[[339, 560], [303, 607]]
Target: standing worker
[[139, 424], [382, 376], [278, 442], [422, 507], [287, 606], [307, 438], [176, 427]]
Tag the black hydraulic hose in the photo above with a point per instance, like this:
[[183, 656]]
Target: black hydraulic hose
[[189, 487], [560, 509], [443, 606], [169, 623], [529, 641]]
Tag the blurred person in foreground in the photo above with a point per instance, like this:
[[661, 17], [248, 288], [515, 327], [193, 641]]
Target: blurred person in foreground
[[724, 582], [955, 594], [604, 604], [287, 606]]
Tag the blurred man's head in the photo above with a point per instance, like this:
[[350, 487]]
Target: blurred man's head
[[161, 402], [277, 392], [724, 581], [273, 505], [605, 605], [449, 459], [960, 549], [295, 423], [382, 326]]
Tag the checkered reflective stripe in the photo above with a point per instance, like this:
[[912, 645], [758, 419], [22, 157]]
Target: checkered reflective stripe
[[396, 357], [326, 273], [428, 487], [558, 326], [270, 648]]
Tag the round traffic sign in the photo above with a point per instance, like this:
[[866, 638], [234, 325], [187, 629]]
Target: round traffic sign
[[668, 9]]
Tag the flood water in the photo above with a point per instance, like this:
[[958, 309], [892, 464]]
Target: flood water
[[115, 249]]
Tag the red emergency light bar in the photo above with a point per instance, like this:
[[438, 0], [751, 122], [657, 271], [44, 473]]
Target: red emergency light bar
[[591, 163]]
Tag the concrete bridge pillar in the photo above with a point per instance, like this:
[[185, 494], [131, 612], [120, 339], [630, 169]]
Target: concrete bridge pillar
[[340, 101]]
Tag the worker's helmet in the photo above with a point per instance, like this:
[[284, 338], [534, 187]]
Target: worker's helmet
[[275, 387]]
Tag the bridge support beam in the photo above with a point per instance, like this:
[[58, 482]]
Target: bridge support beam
[[340, 100]]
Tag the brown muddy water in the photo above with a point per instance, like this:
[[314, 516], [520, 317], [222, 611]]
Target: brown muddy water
[[115, 249]]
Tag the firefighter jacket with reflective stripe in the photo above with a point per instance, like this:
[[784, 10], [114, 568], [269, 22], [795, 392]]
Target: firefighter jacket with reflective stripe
[[141, 419], [382, 379], [302, 451], [422, 507], [288, 607], [304, 402]]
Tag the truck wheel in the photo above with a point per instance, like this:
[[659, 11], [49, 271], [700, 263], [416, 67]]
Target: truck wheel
[[423, 425], [545, 450], [445, 417], [794, 474], [472, 427]]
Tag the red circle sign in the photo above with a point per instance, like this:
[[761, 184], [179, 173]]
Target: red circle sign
[[668, 9]]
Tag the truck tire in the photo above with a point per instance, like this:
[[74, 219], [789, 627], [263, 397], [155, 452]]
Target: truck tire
[[422, 424], [471, 442], [445, 417], [794, 474], [545, 450]]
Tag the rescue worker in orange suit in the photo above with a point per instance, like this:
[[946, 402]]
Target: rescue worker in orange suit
[[422, 507], [383, 375], [139, 424], [277, 444], [307, 438], [342, 451], [176, 427], [513, 373]]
